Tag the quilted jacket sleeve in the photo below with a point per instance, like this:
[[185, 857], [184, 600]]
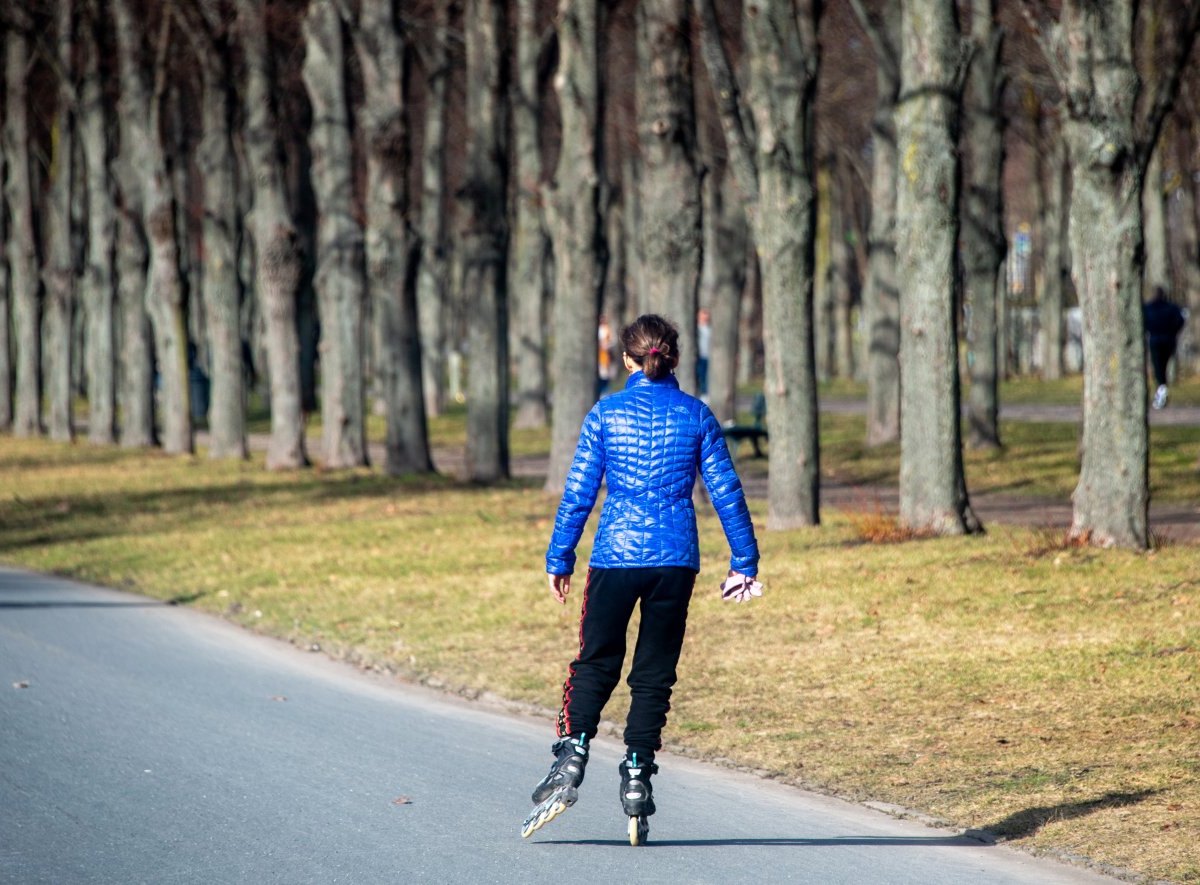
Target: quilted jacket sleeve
[[579, 495], [725, 491]]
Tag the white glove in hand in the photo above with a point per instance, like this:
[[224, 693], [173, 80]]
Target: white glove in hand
[[740, 588]]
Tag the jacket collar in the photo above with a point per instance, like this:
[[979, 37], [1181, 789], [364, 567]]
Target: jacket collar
[[639, 379]]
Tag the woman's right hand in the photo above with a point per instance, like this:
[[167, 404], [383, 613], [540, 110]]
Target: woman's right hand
[[560, 586]]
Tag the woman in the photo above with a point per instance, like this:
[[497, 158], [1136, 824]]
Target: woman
[[648, 442]]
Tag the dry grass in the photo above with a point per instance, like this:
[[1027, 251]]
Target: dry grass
[[1018, 683]]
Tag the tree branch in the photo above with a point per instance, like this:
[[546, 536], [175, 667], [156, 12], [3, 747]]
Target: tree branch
[[885, 53], [729, 105], [160, 74], [1048, 47], [201, 41], [1168, 86]]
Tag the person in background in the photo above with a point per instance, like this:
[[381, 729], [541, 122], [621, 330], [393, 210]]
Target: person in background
[[1164, 321], [604, 356], [703, 344]]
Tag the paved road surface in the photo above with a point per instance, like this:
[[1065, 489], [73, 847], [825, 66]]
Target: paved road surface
[[141, 742]]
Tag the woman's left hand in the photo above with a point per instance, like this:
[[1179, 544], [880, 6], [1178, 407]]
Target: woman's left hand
[[740, 588]]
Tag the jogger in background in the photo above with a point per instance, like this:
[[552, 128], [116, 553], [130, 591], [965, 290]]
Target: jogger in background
[[647, 443]]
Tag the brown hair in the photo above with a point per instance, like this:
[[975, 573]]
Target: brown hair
[[653, 343]]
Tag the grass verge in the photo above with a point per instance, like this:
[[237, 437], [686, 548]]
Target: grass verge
[[1012, 683]]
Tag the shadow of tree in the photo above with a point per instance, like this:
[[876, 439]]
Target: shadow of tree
[[56, 519], [1029, 821]]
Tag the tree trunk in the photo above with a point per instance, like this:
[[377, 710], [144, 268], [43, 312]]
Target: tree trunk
[[983, 242], [164, 286], [433, 270], [575, 227], [484, 246], [842, 275], [1188, 267], [726, 238], [782, 54], [220, 287], [933, 495], [133, 164], [771, 154], [339, 279], [1154, 210], [389, 249], [276, 245], [99, 283], [58, 276], [1111, 500], [823, 273], [1158, 261], [6, 375], [164, 298], [1054, 270], [136, 393], [881, 297], [670, 181], [529, 243], [22, 243]]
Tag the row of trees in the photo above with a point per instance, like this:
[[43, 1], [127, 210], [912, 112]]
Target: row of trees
[[233, 188]]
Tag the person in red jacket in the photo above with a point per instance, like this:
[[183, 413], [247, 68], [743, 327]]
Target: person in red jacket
[[648, 443]]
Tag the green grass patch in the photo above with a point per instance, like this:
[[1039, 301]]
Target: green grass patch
[[1037, 460], [1045, 692]]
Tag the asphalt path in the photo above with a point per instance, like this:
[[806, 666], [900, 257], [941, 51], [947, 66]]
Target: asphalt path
[[144, 742]]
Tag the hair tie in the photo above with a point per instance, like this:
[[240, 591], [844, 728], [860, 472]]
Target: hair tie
[[655, 350]]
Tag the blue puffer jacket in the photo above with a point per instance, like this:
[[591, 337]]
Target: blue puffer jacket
[[648, 442]]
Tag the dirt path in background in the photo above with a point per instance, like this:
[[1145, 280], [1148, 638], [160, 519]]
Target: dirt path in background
[[1173, 521]]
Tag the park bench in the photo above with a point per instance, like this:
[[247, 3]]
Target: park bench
[[735, 434]]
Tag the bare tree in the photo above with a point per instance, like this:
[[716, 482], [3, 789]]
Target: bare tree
[[22, 242], [149, 249], [881, 297], [670, 180], [208, 30], [1109, 141], [99, 281], [983, 241], [58, 275], [933, 494], [575, 228], [484, 245], [1055, 253], [529, 245], [726, 239], [390, 245], [770, 140], [433, 271], [6, 373], [1154, 209], [276, 246], [340, 283]]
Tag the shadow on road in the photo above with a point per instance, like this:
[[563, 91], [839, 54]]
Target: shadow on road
[[798, 841]]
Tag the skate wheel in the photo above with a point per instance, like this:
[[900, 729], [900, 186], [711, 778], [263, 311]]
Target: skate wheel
[[639, 830]]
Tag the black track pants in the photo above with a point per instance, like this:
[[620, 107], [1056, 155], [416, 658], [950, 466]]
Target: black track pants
[[1160, 357], [608, 602]]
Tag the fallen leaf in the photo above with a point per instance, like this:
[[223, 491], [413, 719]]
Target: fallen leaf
[[402, 800]]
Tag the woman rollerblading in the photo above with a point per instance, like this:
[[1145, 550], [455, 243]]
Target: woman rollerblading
[[647, 443]]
